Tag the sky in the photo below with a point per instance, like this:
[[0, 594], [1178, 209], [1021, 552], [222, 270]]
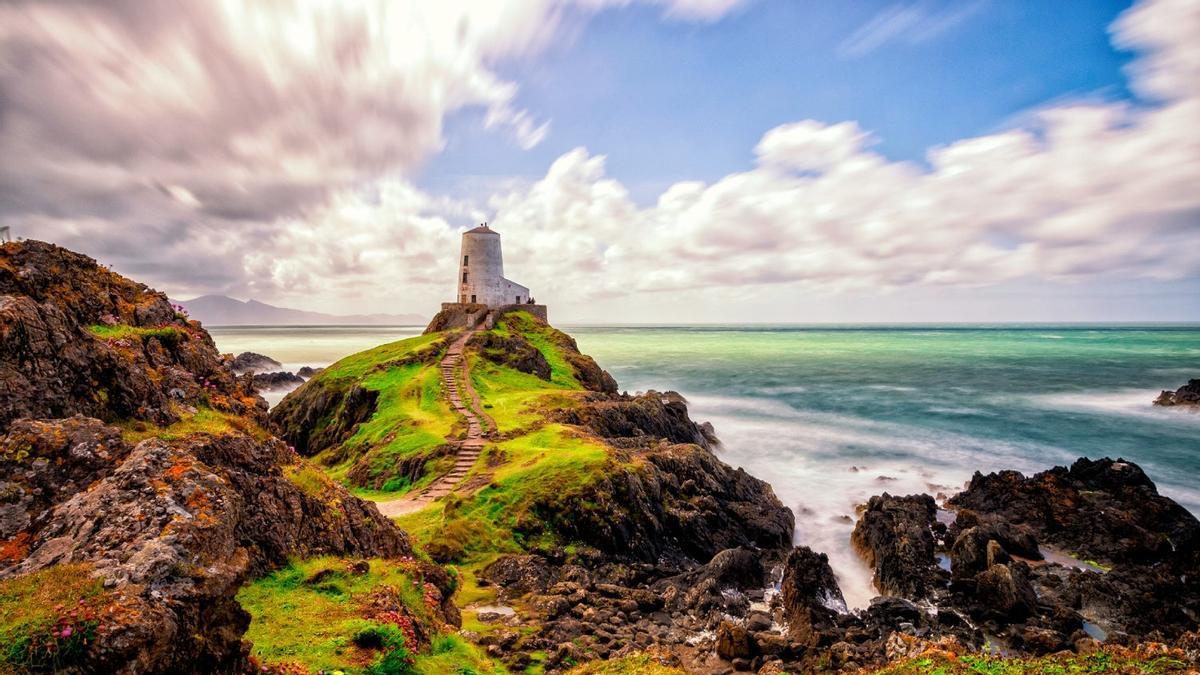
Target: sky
[[644, 160]]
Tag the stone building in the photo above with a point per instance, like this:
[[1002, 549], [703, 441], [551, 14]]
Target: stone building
[[482, 294], [481, 271]]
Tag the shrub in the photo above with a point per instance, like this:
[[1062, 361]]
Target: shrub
[[394, 657]]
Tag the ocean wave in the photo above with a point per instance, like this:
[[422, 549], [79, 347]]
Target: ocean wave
[[1127, 402]]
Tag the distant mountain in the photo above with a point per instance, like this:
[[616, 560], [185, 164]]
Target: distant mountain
[[220, 310]]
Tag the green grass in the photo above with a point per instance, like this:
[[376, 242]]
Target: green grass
[[452, 655], [35, 607], [1109, 661], [539, 468], [357, 365], [169, 335], [411, 416], [298, 619], [311, 480], [204, 421]]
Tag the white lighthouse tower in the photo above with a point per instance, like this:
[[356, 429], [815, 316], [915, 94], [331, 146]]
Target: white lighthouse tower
[[481, 272], [482, 294]]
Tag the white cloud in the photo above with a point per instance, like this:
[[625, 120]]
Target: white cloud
[[911, 23], [306, 204]]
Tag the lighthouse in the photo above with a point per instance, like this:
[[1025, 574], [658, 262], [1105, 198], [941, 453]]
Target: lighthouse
[[481, 293], [481, 272]]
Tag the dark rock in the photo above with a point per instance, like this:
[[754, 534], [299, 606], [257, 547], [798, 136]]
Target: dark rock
[[1187, 395], [893, 535], [977, 548], [1005, 591], [281, 380], [648, 418], [308, 371], [53, 365], [733, 642], [637, 514], [1105, 510], [250, 362], [517, 575], [513, 351], [322, 414], [812, 599]]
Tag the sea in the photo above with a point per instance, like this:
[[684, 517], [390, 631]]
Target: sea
[[830, 415]]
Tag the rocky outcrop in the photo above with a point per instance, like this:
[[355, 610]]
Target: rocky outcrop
[[894, 535], [325, 411], [76, 338], [633, 421], [250, 362], [812, 600], [513, 351], [169, 522], [1188, 396], [308, 371], [679, 503], [173, 528], [1104, 510], [280, 380]]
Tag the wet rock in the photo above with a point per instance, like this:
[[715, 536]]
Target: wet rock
[[811, 597], [280, 380], [1005, 591], [734, 642], [893, 535], [250, 362], [1188, 395], [1106, 510], [977, 548]]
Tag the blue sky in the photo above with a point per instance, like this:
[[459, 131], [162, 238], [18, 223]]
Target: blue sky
[[644, 160], [673, 100]]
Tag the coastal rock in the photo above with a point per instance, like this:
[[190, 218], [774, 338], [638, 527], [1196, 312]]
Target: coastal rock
[[250, 362], [644, 419], [513, 351], [308, 371], [894, 536], [172, 528], [1188, 395], [978, 547], [280, 380], [640, 513], [76, 338], [322, 413], [1105, 510], [811, 597]]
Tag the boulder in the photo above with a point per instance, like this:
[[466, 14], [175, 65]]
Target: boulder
[[250, 362], [280, 380], [894, 537], [1188, 395], [811, 597]]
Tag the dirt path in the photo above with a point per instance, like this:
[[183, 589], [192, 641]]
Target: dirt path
[[456, 381]]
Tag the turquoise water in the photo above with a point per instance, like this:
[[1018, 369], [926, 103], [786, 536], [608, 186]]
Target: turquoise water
[[832, 415]]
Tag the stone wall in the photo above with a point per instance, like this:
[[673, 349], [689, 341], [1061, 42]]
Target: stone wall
[[467, 315]]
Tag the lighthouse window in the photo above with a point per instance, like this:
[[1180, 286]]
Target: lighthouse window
[[464, 277], [466, 260]]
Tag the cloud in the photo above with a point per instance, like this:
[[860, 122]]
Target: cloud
[[910, 23], [1085, 192], [256, 173]]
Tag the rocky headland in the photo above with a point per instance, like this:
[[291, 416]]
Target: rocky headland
[[155, 518], [139, 489]]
